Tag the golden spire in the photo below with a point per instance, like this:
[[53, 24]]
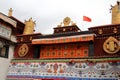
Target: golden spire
[[116, 13], [10, 12], [29, 26]]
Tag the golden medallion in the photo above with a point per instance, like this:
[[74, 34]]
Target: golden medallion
[[23, 50], [111, 45]]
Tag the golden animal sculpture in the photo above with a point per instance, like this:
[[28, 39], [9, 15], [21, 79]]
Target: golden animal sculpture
[[29, 26]]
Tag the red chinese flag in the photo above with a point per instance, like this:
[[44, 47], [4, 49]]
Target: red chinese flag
[[85, 18]]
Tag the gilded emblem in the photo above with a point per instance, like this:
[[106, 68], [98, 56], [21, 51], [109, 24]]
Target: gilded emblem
[[23, 50], [100, 31], [111, 45], [115, 30]]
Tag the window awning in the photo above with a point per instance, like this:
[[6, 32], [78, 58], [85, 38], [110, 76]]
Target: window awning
[[78, 38]]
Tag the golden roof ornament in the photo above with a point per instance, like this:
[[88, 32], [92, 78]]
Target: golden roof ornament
[[66, 21], [72, 23], [116, 13], [60, 25], [10, 12], [29, 26]]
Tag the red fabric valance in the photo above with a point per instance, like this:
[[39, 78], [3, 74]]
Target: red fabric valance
[[78, 38]]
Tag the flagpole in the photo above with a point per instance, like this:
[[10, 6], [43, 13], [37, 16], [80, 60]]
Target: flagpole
[[82, 25]]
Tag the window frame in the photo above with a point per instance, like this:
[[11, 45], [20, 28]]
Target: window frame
[[6, 51]]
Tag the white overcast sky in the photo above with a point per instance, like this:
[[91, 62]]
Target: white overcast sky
[[49, 13]]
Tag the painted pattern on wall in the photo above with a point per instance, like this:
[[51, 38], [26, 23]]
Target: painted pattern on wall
[[64, 70], [76, 50]]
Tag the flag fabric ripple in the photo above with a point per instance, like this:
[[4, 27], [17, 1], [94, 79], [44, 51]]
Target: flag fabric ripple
[[85, 18]]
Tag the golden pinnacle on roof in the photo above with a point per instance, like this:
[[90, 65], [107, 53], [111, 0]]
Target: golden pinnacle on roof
[[10, 12], [116, 13], [29, 26]]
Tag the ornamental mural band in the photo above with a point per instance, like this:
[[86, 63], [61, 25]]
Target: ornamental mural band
[[89, 69]]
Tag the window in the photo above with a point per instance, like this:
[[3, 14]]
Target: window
[[4, 51], [5, 32]]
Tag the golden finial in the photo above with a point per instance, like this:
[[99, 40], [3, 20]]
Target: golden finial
[[29, 26], [10, 12]]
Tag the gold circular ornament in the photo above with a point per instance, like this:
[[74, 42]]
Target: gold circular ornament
[[100, 31], [66, 21], [111, 45], [23, 50]]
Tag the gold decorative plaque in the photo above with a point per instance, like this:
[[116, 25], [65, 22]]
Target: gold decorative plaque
[[115, 30], [23, 50], [100, 31], [111, 45]]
